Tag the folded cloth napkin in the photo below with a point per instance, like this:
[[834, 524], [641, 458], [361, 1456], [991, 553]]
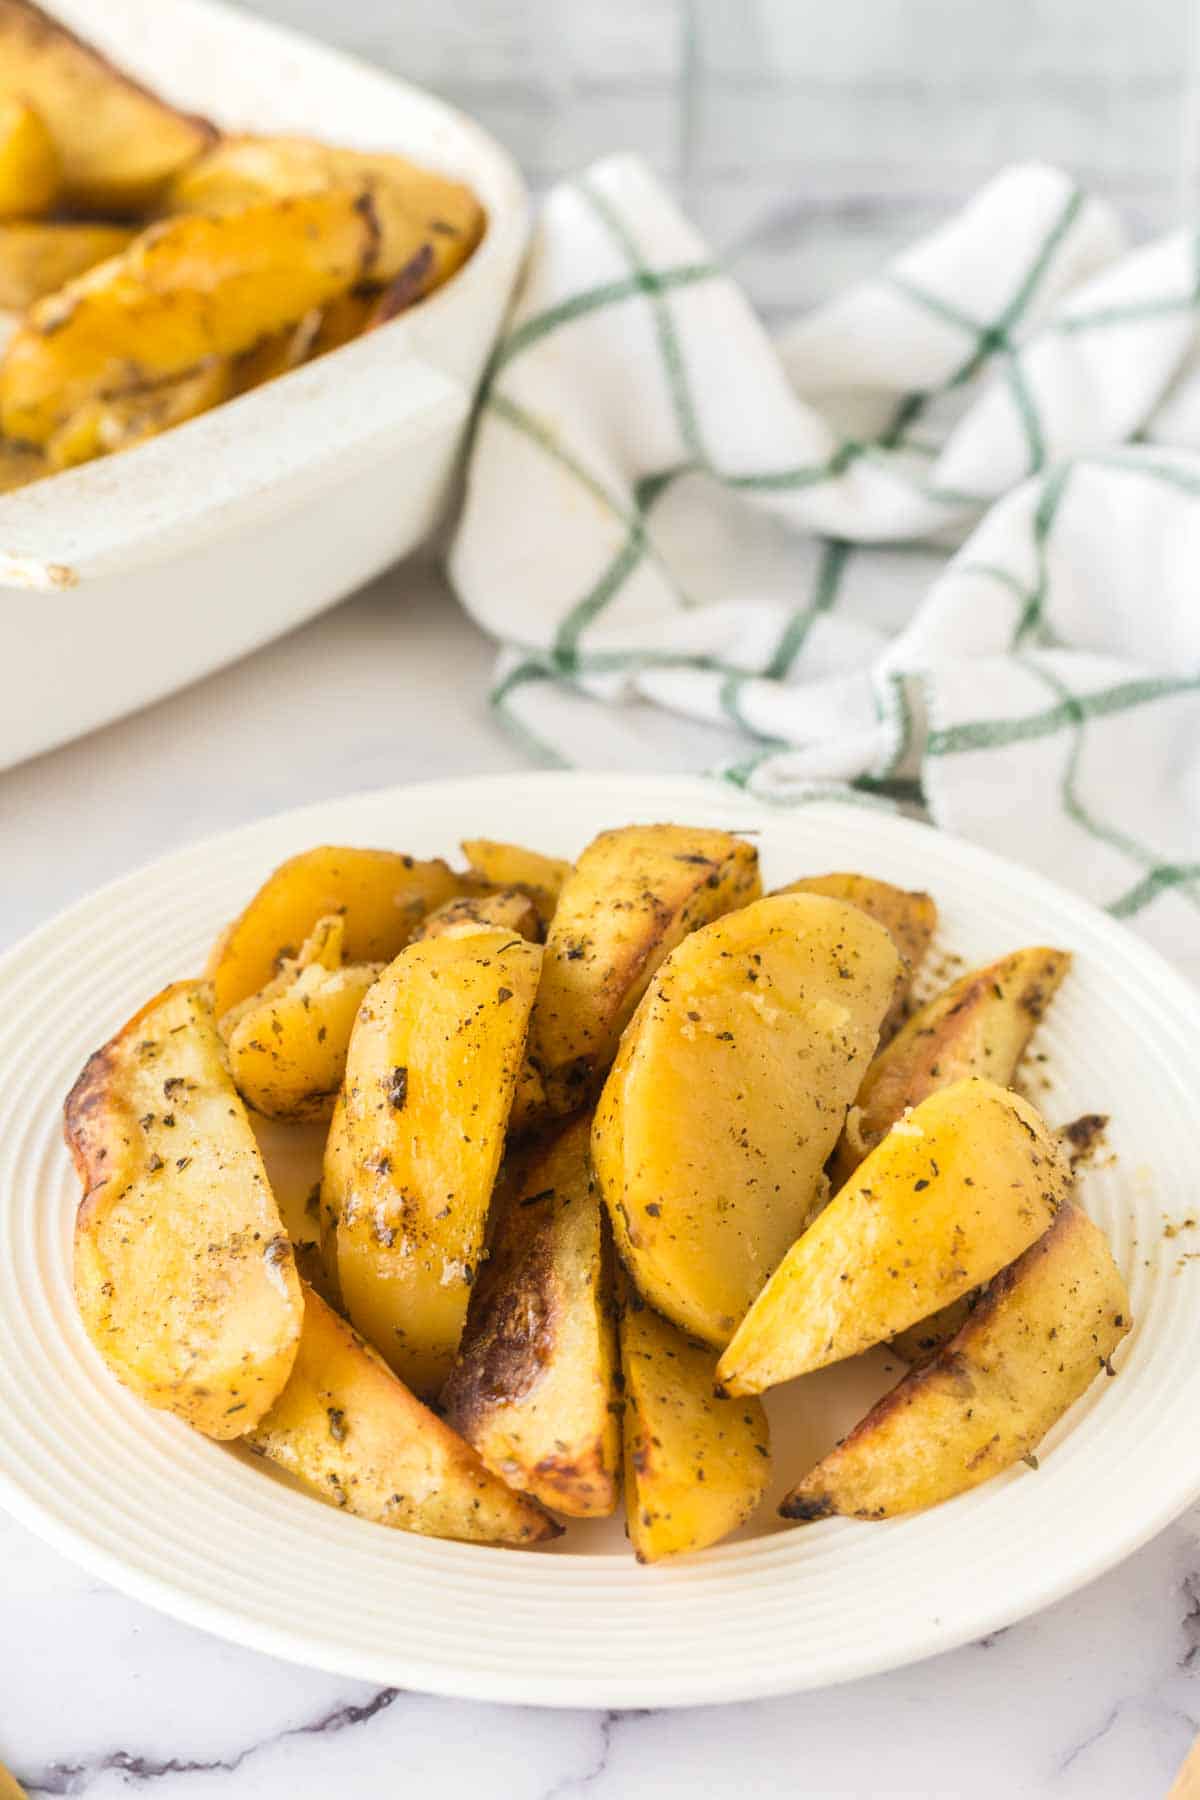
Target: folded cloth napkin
[[938, 545]]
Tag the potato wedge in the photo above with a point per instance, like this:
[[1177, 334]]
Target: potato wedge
[[39, 256], [696, 1466], [910, 917], [30, 172], [632, 896], [276, 354], [512, 866], [18, 467], [979, 1025], [288, 1043], [357, 1438], [958, 1188], [506, 910], [186, 290], [119, 143], [416, 1142], [380, 895], [921, 1340], [727, 1094], [535, 1384], [1040, 1335], [102, 427], [183, 1271]]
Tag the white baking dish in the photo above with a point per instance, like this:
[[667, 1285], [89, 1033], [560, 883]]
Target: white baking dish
[[128, 577]]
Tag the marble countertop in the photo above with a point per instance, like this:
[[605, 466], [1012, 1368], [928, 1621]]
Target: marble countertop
[[1097, 1699]]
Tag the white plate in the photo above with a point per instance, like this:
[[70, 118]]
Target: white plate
[[192, 1528]]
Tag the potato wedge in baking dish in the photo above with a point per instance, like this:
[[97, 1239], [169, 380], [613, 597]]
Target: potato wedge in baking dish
[[535, 1385], [907, 915], [1040, 1335], [353, 1434], [118, 143], [380, 895], [288, 1043], [183, 1271], [38, 256], [30, 171], [696, 1465], [499, 865], [631, 897], [979, 1025], [505, 908], [727, 1095], [102, 427], [417, 1138], [958, 1188]]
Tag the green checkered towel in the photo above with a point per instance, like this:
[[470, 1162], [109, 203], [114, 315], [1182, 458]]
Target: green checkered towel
[[939, 545]]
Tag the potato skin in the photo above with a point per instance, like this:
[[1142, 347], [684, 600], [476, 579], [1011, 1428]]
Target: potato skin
[[696, 1465], [727, 1094], [39, 256], [381, 896], [958, 1188], [417, 1138], [30, 172], [908, 916], [1037, 1339], [184, 1275], [979, 1025], [631, 897], [118, 142], [535, 1384], [358, 1439]]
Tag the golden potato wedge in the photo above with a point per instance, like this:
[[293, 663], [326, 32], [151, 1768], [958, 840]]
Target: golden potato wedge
[[958, 1188], [727, 1094], [535, 1384], [276, 354], [696, 1466], [505, 909], [500, 865], [39, 256], [910, 917], [183, 1272], [288, 1043], [354, 1434], [380, 895], [18, 467], [416, 1142], [344, 318], [979, 1025], [632, 896], [928, 1335], [30, 172], [119, 143], [186, 290], [1043, 1330], [102, 427]]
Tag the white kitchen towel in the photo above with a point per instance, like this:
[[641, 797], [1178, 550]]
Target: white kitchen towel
[[939, 545]]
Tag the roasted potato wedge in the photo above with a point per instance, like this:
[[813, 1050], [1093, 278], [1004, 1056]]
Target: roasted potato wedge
[[276, 354], [416, 1140], [183, 1272], [353, 1434], [1041, 1333], [979, 1025], [381, 897], [727, 1094], [512, 866], [535, 1384], [909, 917], [921, 1340], [288, 1043], [505, 909], [30, 172], [102, 427], [186, 290], [39, 256], [696, 1466], [958, 1188], [632, 896], [18, 467], [119, 143]]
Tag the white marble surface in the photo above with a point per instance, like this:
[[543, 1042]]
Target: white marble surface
[[1097, 1699]]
